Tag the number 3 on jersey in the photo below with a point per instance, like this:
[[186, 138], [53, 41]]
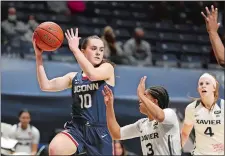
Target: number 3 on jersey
[[85, 101], [150, 150], [208, 131]]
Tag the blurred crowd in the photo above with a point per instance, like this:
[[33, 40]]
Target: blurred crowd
[[183, 12], [135, 51], [15, 33]]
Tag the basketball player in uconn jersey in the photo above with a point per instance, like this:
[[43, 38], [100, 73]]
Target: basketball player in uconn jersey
[[159, 132], [206, 116], [87, 129]]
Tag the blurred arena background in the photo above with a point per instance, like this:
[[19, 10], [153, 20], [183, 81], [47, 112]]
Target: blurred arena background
[[180, 52]]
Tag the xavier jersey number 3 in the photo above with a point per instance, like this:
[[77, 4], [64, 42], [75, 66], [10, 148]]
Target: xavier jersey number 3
[[157, 138], [88, 101]]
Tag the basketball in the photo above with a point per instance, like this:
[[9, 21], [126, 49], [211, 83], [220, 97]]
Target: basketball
[[49, 36]]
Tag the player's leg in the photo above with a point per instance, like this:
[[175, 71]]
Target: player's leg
[[107, 146], [63, 144], [102, 148], [98, 141], [105, 141]]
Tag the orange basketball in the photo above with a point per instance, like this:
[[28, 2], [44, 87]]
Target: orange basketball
[[49, 36]]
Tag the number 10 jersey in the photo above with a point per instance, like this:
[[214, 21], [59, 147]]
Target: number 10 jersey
[[88, 101]]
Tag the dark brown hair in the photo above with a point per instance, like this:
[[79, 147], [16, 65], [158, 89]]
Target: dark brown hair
[[161, 94], [84, 46], [85, 41], [24, 111]]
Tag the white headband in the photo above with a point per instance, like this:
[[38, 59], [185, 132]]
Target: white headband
[[210, 77]]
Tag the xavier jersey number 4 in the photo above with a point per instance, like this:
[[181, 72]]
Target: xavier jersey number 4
[[156, 138], [209, 127]]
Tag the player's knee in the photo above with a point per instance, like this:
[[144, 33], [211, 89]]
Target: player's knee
[[54, 149], [61, 145]]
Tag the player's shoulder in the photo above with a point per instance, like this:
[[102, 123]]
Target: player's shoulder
[[169, 110], [170, 117], [193, 104], [14, 127], [34, 130], [107, 65], [71, 75], [142, 121]]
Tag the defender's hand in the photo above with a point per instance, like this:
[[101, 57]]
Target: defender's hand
[[108, 96], [211, 19]]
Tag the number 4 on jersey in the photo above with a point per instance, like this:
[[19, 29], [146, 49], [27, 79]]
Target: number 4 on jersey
[[208, 131]]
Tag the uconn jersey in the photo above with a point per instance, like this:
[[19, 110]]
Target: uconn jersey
[[209, 127], [156, 138], [88, 101], [25, 137]]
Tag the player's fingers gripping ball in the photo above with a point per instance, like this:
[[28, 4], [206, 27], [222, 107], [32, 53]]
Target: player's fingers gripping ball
[[49, 36]]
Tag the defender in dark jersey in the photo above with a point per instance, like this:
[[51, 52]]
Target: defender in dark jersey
[[87, 131]]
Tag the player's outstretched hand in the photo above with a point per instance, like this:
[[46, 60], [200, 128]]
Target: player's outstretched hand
[[108, 96], [141, 86], [37, 50], [73, 40], [211, 19]]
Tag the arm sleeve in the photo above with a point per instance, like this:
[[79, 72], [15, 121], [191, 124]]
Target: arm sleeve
[[130, 131], [170, 116], [36, 136], [189, 115]]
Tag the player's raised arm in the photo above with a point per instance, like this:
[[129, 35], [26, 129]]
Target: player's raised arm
[[103, 72], [56, 84], [154, 110], [113, 126], [117, 132], [188, 125], [212, 28]]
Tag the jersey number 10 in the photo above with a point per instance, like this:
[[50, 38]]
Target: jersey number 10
[[85, 101]]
